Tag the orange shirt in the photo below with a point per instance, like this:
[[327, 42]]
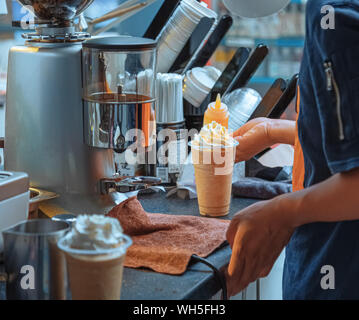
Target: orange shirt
[[298, 164]]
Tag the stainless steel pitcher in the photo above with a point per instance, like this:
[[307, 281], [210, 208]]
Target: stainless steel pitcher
[[35, 267]]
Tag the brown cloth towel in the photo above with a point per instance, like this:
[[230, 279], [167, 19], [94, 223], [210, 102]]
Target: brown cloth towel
[[163, 242]]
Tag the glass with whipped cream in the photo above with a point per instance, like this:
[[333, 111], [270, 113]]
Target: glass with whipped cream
[[95, 251], [213, 153]]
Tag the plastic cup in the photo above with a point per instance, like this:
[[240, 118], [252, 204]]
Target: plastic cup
[[95, 274], [192, 92], [198, 83], [213, 167]]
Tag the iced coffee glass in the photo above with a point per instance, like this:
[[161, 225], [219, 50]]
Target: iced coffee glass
[[213, 161], [95, 273]]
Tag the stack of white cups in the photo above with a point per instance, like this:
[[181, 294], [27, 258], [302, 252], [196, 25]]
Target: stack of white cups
[[178, 30]]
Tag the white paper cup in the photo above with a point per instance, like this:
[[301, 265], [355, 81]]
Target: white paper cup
[[95, 274]]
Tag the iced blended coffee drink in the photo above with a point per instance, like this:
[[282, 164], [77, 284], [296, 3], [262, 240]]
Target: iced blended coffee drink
[[213, 153], [95, 250]]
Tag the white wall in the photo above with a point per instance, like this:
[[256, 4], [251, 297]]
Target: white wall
[[270, 287], [2, 133]]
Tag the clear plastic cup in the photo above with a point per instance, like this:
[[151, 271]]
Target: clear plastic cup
[[95, 274], [241, 104], [213, 167]]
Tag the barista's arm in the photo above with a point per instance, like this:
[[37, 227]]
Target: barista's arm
[[261, 133], [335, 199], [259, 233]]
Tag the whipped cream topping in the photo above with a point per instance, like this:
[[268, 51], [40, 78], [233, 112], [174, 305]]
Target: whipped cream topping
[[94, 232], [213, 135]]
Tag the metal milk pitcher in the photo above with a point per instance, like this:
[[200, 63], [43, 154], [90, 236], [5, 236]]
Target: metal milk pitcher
[[34, 266]]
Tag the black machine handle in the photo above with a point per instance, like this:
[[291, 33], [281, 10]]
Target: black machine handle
[[161, 18], [286, 98], [236, 63], [192, 45], [250, 67], [212, 43], [282, 104], [270, 99], [238, 60]]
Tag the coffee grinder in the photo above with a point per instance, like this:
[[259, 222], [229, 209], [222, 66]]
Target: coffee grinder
[[70, 104]]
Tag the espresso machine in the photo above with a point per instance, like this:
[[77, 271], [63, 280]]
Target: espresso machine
[[70, 103]]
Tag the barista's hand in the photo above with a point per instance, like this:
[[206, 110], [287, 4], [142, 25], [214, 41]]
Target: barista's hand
[[261, 133], [257, 236], [253, 137]]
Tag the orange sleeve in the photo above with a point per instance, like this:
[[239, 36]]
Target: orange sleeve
[[298, 164]]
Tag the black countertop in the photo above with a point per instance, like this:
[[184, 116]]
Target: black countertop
[[197, 282]]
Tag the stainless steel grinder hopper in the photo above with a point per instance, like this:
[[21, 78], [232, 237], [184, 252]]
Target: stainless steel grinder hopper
[[68, 108]]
